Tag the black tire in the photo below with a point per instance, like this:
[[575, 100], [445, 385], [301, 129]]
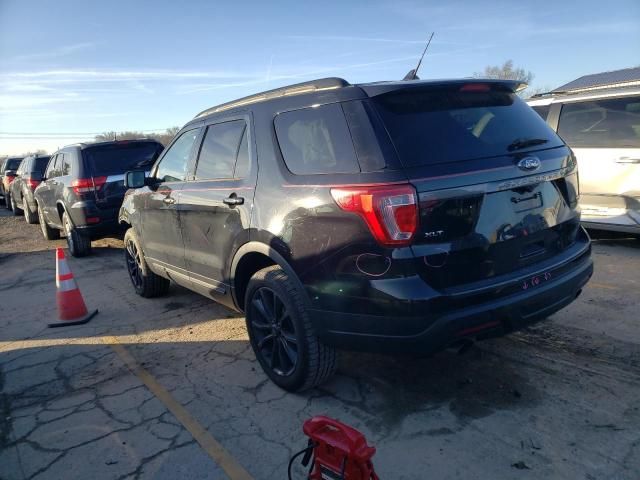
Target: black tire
[[282, 330], [7, 201], [79, 244], [146, 283], [47, 232], [14, 207], [30, 216]]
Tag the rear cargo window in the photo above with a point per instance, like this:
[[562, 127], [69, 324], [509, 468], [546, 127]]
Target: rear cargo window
[[118, 158], [40, 165], [316, 140], [601, 123], [449, 124]]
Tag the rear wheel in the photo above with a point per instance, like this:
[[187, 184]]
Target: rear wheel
[[29, 215], [47, 232], [14, 207], [79, 244], [282, 335], [146, 283]]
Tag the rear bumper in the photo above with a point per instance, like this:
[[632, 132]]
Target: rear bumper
[[476, 314], [107, 224]]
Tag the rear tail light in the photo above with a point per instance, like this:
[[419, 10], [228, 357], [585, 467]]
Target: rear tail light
[[87, 185], [32, 183], [390, 211]]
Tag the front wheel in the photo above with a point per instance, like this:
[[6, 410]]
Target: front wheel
[[29, 215], [14, 206], [281, 333], [79, 244], [47, 232], [146, 283]]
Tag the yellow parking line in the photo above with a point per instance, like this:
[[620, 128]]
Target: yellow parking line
[[209, 444], [602, 285]]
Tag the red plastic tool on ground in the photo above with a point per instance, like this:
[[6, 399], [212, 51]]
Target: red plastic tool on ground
[[339, 452]]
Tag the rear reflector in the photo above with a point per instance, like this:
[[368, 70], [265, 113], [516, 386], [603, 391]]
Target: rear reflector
[[92, 219], [390, 211]]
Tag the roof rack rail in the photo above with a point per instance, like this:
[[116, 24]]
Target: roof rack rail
[[297, 89]]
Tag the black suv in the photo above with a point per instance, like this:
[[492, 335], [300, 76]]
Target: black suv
[[8, 169], [83, 188], [28, 177], [389, 217]]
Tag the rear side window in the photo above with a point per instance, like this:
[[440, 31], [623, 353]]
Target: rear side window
[[65, 163], [117, 158], [542, 110], [449, 124], [51, 167], [219, 151], [601, 123], [316, 140]]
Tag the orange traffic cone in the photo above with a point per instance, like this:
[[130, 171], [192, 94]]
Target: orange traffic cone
[[71, 307]]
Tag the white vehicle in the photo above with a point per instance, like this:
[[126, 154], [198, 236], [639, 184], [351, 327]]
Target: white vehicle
[[598, 116]]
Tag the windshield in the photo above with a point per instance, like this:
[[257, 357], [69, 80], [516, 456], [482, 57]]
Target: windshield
[[448, 124], [118, 158]]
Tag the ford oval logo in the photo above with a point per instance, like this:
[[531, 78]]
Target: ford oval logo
[[529, 164]]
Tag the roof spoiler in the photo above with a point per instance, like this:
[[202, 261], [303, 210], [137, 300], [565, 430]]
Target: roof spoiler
[[297, 89], [376, 89]]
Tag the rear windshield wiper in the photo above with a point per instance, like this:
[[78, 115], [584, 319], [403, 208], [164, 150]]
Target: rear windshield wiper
[[519, 143]]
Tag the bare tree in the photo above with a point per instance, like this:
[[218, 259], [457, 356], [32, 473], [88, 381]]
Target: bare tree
[[508, 71], [163, 137]]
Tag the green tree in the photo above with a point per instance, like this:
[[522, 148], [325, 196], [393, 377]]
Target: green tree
[[163, 137]]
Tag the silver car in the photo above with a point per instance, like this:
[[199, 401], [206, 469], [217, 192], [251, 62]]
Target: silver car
[[601, 124]]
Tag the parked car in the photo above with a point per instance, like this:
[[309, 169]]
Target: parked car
[[602, 127], [83, 188], [8, 170], [390, 217], [28, 177]]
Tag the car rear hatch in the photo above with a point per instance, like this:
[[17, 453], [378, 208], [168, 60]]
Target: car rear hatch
[[497, 188], [106, 165]]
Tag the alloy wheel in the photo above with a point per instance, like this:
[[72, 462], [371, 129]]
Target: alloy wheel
[[274, 331], [134, 264]]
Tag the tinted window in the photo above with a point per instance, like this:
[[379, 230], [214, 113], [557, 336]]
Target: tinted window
[[316, 140], [117, 158], [447, 124], [51, 168], [40, 164], [12, 164], [242, 163], [542, 110], [64, 161], [173, 166], [601, 123], [219, 150]]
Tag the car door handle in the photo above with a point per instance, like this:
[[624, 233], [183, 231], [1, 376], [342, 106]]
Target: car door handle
[[233, 200], [169, 200], [628, 160]]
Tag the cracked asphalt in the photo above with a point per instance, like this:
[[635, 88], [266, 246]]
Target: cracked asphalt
[[559, 400]]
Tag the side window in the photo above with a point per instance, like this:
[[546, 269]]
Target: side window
[[219, 150], [51, 167], [601, 123], [173, 166], [23, 166], [542, 110], [64, 161], [242, 162], [316, 140]]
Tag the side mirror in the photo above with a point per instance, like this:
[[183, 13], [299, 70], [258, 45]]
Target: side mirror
[[134, 179]]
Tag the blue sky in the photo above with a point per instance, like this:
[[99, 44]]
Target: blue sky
[[72, 68]]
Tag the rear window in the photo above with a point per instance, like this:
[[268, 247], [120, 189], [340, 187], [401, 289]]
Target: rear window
[[448, 124], [40, 164], [601, 123], [12, 164], [118, 158], [316, 140]]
